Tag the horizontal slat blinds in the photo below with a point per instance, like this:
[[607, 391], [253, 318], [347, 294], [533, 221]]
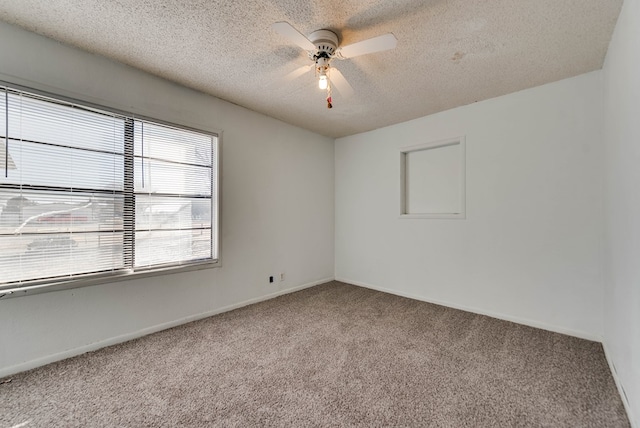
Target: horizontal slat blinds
[[174, 195], [62, 191], [85, 191]]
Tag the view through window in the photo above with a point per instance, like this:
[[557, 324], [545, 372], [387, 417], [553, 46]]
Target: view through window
[[87, 191]]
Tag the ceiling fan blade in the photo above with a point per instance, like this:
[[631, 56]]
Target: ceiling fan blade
[[341, 84], [298, 72], [376, 44], [286, 30]]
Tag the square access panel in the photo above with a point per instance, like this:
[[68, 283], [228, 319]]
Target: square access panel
[[433, 180]]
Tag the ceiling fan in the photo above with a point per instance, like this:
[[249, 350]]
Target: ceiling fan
[[322, 47]]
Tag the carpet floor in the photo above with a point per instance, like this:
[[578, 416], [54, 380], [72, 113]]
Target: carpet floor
[[332, 355]]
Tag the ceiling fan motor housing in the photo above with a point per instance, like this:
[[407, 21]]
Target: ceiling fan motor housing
[[324, 41]]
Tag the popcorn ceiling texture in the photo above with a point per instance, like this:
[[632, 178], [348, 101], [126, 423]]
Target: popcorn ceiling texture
[[450, 52]]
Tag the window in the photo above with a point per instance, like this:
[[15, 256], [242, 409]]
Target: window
[[433, 180], [87, 192]]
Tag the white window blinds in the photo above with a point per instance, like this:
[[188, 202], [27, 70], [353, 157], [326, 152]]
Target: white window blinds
[[85, 191], [174, 184]]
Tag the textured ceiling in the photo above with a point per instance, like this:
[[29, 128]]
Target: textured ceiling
[[449, 52]]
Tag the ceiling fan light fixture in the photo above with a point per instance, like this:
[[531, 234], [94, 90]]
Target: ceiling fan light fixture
[[323, 82], [322, 46]]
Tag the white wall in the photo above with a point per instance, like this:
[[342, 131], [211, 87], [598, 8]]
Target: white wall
[[530, 248], [277, 210], [622, 204]]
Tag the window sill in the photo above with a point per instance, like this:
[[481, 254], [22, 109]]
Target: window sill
[[58, 285]]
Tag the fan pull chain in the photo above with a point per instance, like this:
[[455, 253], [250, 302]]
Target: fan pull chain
[[329, 105]]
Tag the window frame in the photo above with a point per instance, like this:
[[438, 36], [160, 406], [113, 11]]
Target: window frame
[[89, 279]]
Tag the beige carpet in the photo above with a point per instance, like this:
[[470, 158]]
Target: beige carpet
[[332, 355]]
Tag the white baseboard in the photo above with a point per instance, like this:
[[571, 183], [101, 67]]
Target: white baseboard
[[32, 364], [621, 391], [517, 320]]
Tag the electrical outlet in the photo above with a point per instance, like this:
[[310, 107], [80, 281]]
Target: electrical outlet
[[270, 279], [281, 276]]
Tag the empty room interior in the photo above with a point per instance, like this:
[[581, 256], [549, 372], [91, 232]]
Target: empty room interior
[[282, 213]]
